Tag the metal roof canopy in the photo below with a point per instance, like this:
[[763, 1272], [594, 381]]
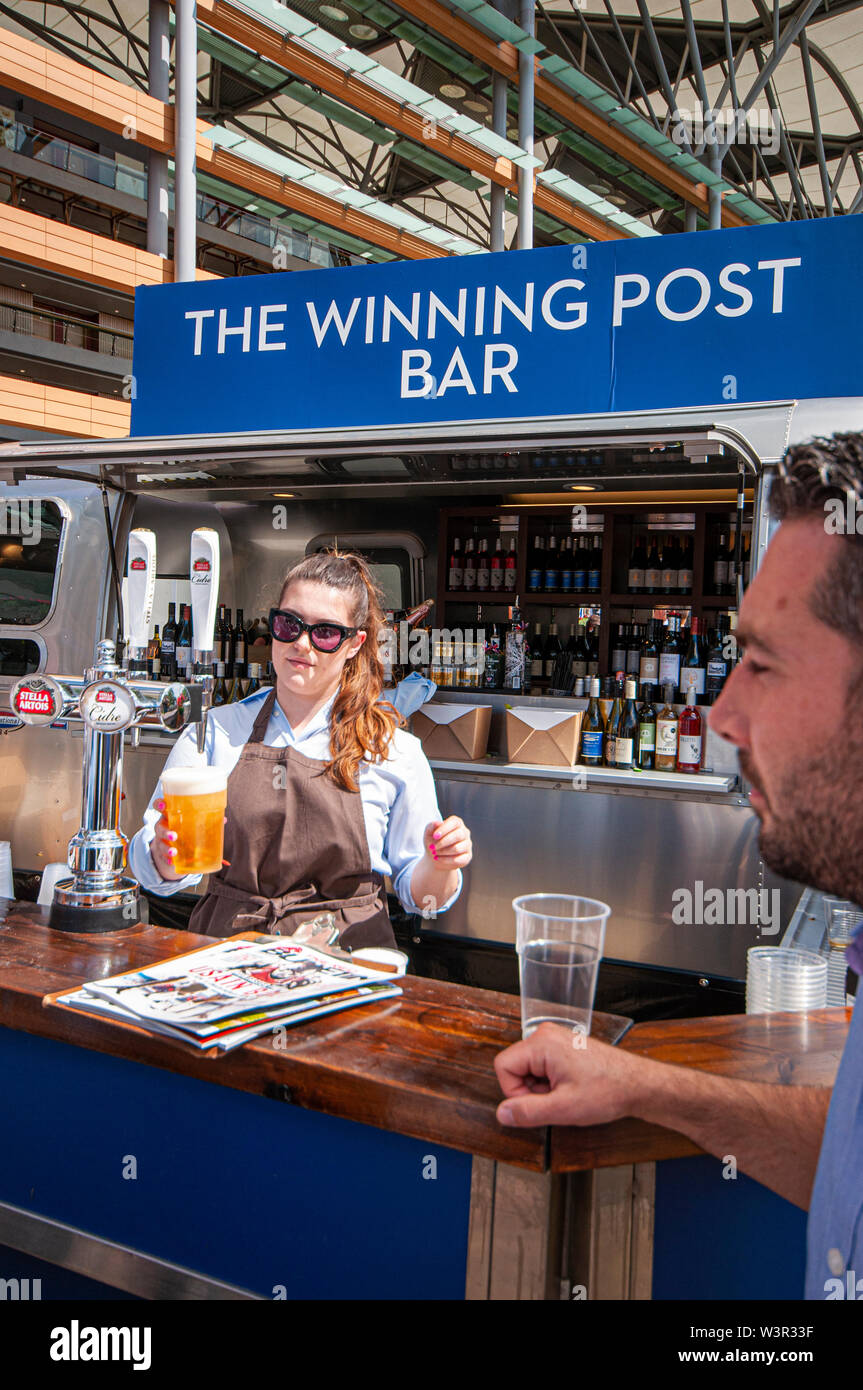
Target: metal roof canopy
[[630, 68], [309, 463]]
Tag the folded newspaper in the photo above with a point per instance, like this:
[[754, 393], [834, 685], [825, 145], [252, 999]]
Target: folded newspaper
[[224, 995]]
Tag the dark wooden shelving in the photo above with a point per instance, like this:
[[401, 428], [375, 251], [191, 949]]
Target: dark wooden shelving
[[651, 600]]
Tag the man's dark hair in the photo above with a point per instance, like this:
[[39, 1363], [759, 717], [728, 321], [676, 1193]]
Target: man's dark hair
[[812, 479]]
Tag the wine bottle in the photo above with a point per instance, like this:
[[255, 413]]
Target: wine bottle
[[689, 736], [536, 572], [591, 642], [618, 648], [626, 743], [469, 572], [552, 650], [551, 578], [592, 729], [666, 735], [455, 574], [219, 635], [169, 640], [648, 666], [493, 669], [580, 655], [497, 567], [594, 571], [718, 664], [483, 568], [183, 648], [580, 566], [254, 682], [566, 565], [720, 567], [154, 654], [612, 726], [240, 645], [637, 566], [670, 565], [646, 731], [633, 650], [652, 571], [693, 669], [516, 673], [536, 654], [670, 655], [684, 572], [510, 568], [220, 686]]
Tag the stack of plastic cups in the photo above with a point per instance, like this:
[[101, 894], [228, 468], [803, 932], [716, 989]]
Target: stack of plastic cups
[[779, 980], [7, 887]]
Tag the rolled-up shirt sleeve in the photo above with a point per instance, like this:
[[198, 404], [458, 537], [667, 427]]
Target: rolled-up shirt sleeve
[[414, 807], [183, 754]]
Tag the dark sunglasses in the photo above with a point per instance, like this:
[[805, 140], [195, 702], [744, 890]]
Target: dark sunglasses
[[326, 637]]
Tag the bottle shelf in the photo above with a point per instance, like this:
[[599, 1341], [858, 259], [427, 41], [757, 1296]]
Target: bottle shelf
[[495, 596], [663, 600]]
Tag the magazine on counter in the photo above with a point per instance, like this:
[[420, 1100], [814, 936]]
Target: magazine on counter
[[226, 994], [231, 978], [242, 1028]]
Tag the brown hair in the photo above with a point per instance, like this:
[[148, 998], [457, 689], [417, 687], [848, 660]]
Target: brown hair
[[362, 724], [811, 476]]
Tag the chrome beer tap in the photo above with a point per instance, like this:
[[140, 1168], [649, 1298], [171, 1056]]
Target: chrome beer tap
[[109, 700]]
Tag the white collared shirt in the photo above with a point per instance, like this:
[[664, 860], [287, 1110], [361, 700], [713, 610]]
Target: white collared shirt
[[398, 796]]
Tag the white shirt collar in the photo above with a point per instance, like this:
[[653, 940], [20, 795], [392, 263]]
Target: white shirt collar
[[320, 722]]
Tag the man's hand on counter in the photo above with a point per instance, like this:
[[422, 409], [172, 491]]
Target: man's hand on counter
[[448, 849], [773, 1131], [557, 1077]]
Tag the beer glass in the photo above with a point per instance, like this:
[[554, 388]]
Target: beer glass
[[559, 940], [195, 800]]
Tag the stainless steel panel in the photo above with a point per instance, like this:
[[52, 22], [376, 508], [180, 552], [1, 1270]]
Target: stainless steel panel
[[119, 1266], [631, 851]]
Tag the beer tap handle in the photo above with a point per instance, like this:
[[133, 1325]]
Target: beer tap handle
[[204, 582], [204, 569], [140, 587]]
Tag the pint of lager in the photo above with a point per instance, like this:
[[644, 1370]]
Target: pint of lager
[[195, 799]]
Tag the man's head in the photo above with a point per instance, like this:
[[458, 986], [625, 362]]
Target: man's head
[[793, 705]]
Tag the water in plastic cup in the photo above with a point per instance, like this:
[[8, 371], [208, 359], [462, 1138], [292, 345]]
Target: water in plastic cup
[[559, 939]]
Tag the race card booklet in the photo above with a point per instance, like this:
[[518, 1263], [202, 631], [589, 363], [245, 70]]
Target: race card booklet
[[225, 994]]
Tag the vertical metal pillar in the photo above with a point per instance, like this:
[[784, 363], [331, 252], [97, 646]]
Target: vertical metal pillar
[[526, 70], [186, 107], [159, 82], [690, 217], [714, 195], [498, 192]]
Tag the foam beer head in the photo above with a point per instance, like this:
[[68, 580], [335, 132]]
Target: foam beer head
[[195, 809], [194, 781]]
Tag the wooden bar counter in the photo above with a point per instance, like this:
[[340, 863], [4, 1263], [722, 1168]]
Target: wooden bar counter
[[381, 1162]]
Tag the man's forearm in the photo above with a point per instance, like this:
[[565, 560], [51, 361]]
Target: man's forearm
[[773, 1132]]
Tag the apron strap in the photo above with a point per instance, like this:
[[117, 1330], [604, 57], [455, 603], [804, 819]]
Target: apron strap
[[259, 728]]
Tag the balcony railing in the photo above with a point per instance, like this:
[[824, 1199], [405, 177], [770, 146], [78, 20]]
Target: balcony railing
[[97, 168], [66, 329]]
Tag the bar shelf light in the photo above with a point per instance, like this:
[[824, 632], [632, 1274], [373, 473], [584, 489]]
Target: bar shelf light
[[282, 18]]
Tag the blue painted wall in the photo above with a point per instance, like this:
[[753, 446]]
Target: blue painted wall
[[253, 1191]]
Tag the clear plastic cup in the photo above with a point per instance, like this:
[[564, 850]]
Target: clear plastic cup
[[780, 980], [559, 940], [843, 919]]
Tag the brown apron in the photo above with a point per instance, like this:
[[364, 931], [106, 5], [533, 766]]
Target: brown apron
[[296, 846]]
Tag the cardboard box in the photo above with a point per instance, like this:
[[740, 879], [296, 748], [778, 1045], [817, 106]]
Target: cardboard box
[[456, 733], [548, 737]]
